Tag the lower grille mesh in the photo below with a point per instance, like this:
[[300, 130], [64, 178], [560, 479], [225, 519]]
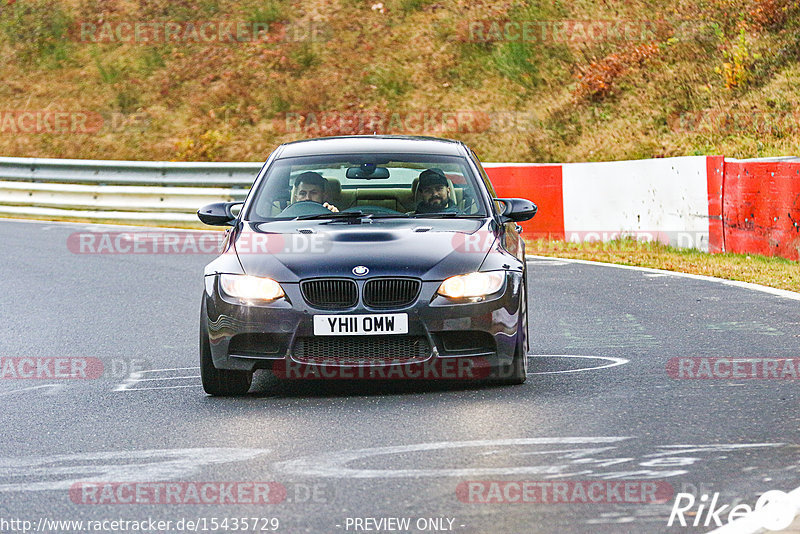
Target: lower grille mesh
[[361, 350]]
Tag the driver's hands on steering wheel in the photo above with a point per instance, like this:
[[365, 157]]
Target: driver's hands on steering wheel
[[331, 207]]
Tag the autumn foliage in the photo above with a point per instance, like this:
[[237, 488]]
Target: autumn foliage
[[596, 81]]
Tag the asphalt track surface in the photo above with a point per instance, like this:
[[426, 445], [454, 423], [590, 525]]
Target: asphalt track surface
[[354, 450]]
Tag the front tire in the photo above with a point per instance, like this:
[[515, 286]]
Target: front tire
[[219, 382], [517, 372]]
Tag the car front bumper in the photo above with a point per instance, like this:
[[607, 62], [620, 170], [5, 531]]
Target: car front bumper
[[459, 339]]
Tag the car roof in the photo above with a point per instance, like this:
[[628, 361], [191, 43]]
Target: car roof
[[359, 144]]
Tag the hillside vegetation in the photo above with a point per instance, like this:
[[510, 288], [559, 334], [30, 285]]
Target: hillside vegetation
[[585, 81]]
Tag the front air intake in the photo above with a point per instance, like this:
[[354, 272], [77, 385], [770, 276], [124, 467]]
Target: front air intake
[[330, 293], [391, 292]]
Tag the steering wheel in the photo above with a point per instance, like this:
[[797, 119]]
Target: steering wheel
[[303, 208]]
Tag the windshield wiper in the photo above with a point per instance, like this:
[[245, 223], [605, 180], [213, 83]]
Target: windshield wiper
[[443, 214], [335, 215]]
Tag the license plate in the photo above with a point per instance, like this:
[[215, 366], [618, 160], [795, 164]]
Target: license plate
[[360, 325]]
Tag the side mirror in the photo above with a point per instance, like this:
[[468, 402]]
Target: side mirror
[[218, 213], [517, 209]]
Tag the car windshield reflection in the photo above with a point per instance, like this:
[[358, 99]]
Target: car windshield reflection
[[381, 186]]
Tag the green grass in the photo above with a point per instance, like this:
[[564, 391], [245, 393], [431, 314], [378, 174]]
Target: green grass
[[744, 56], [267, 12], [37, 29], [768, 271]]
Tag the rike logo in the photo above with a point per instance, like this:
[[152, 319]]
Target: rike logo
[[774, 510]]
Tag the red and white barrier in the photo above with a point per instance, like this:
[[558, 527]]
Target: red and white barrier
[[761, 204], [703, 202], [542, 184], [663, 200]]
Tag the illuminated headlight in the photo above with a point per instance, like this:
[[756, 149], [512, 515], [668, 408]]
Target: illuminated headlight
[[472, 285], [251, 288]]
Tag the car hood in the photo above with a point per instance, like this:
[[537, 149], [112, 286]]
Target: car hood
[[431, 249]]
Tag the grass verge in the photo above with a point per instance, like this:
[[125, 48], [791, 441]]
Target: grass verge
[[585, 81], [775, 272]]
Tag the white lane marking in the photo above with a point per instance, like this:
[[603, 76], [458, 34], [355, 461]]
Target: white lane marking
[[755, 520], [734, 283], [548, 262], [136, 377], [557, 462], [652, 513], [161, 387], [173, 369], [334, 464], [53, 388], [717, 447], [614, 362], [167, 378], [123, 466]]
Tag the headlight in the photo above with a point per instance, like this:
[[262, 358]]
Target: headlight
[[472, 285], [250, 287]]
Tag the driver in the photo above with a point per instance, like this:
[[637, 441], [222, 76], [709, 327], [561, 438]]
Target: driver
[[434, 190], [312, 186]]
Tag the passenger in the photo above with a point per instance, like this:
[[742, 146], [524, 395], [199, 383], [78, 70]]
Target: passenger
[[312, 186], [434, 190]]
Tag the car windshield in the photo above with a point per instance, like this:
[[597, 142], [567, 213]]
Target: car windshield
[[376, 185]]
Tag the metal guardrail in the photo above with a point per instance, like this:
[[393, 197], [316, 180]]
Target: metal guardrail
[[140, 192], [156, 192], [130, 191], [109, 172]]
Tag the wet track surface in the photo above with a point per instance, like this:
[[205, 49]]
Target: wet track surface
[[601, 404]]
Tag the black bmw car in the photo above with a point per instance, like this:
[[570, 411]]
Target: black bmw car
[[367, 257]]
